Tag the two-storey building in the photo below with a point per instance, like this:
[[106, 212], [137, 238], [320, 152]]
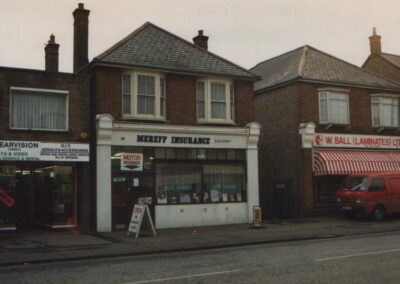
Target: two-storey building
[[174, 129], [322, 118], [44, 146]]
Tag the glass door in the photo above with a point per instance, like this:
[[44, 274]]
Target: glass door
[[8, 184], [121, 192]]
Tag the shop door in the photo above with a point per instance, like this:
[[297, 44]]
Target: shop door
[[283, 205], [122, 197], [24, 202], [127, 190]]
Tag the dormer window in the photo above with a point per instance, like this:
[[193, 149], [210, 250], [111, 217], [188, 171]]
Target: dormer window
[[334, 108], [384, 111], [143, 95], [215, 101]]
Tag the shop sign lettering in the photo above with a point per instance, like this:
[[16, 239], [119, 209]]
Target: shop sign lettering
[[172, 139], [356, 141], [43, 151]]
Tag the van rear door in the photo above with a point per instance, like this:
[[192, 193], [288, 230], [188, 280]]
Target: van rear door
[[393, 202]]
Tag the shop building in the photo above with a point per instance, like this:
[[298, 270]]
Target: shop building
[[175, 130], [383, 64], [44, 147], [322, 118]]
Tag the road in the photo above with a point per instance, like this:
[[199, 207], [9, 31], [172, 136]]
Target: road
[[358, 259]]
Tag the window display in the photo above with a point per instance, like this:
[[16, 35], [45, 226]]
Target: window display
[[187, 175], [191, 184], [41, 194]]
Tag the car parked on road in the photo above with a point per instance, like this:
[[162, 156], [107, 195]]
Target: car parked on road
[[375, 194]]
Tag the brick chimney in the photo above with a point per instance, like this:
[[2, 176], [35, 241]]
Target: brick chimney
[[375, 42], [51, 58], [81, 36], [201, 40]]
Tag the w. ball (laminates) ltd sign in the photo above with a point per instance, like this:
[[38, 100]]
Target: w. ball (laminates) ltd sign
[[326, 140], [43, 151]]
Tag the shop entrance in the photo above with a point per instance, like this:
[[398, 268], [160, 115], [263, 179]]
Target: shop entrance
[[129, 189], [40, 195]]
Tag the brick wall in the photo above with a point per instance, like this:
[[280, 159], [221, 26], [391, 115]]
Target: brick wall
[[181, 99], [277, 112], [180, 93], [108, 91], [79, 102], [282, 160], [79, 121], [382, 68], [244, 102], [359, 106]]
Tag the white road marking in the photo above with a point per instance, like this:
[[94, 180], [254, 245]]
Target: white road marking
[[358, 254], [184, 276]]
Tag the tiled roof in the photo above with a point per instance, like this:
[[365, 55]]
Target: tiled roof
[[308, 63], [394, 59], [152, 47]]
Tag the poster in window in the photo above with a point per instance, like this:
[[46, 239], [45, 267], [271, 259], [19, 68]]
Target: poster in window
[[184, 198], [239, 196], [132, 162], [224, 197], [162, 197], [214, 195]]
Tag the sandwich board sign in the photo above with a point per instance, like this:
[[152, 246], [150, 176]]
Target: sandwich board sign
[[140, 218]]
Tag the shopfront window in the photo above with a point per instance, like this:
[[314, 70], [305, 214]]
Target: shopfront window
[[8, 186], [200, 183], [39, 194], [181, 175]]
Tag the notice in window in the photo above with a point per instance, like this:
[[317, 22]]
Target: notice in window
[[132, 162]]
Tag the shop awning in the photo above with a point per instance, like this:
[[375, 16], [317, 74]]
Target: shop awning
[[353, 162]]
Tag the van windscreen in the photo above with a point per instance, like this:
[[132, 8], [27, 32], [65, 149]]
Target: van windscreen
[[355, 183]]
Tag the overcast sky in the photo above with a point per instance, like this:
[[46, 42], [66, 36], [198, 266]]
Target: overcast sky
[[243, 31]]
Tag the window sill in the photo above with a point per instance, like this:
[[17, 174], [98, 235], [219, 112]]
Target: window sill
[[389, 128], [39, 130], [215, 122], [136, 118], [328, 125]]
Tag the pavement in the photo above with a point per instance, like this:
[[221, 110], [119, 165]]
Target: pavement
[[40, 246]]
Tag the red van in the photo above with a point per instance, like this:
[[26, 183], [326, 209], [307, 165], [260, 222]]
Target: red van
[[376, 194]]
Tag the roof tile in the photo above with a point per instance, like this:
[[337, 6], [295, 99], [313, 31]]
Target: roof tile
[[155, 48]]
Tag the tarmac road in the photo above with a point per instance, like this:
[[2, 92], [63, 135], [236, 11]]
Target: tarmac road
[[372, 258]]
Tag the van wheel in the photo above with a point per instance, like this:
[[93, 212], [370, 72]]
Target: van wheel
[[379, 213]]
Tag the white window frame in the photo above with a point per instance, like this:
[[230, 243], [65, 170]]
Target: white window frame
[[48, 91], [328, 94], [134, 96], [380, 97], [229, 117]]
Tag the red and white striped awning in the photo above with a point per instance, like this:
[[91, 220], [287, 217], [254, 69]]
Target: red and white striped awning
[[353, 162]]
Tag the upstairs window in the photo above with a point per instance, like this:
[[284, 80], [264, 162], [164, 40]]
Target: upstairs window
[[384, 112], [143, 95], [38, 109], [333, 108], [215, 101]]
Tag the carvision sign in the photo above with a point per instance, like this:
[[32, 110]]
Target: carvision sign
[[326, 140], [43, 151]]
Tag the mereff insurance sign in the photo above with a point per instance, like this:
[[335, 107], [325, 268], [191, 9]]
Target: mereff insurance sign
[[326, 140], [43, 151]]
